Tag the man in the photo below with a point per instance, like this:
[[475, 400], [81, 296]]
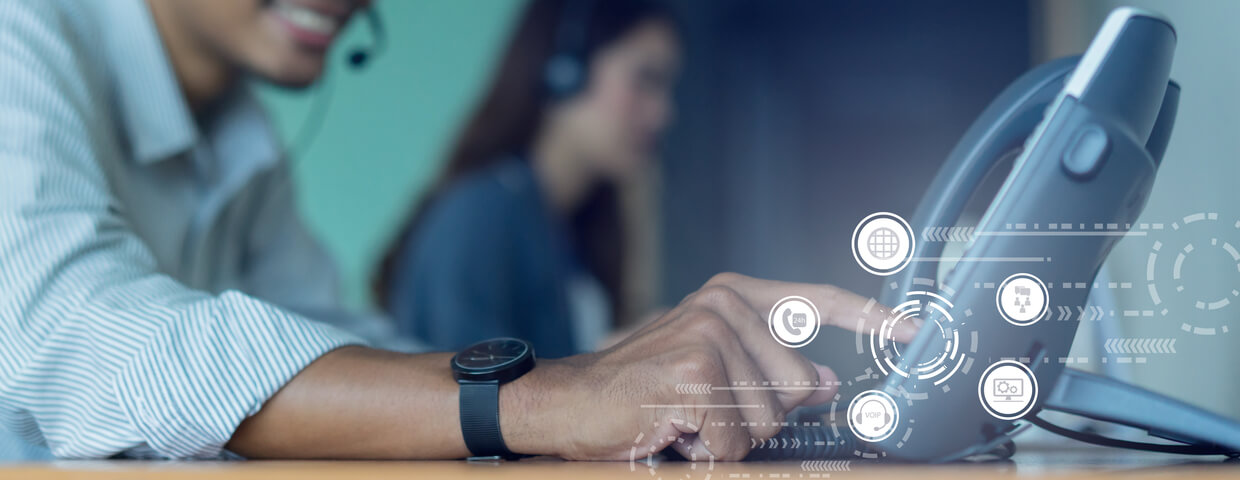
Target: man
[[159, 298]]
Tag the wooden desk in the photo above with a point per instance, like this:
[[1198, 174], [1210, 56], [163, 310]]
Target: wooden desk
[[1064, 461]]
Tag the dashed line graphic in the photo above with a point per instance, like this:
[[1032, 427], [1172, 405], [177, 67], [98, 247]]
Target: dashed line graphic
[[1160, 260]]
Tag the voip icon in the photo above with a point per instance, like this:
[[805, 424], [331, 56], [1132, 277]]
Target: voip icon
[[873, 416]]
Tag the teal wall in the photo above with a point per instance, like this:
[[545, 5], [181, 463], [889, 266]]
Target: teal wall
[[386, 127]]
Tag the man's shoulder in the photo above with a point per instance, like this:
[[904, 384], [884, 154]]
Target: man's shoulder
[[53, 38], [47, 20]]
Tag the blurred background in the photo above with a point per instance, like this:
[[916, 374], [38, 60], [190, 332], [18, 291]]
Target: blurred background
[[795, 119]]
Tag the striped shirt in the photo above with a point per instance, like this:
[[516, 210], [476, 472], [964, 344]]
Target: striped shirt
[[156, 285]]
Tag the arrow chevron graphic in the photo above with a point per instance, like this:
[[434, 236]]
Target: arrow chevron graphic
[[947, 234], [1091, 313], [774, 443], [1139, 345], [826, 465], [694, 388]]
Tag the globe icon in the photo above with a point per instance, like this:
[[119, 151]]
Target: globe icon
[[883, 243]]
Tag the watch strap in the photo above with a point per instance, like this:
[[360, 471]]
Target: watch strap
[[480, 420]]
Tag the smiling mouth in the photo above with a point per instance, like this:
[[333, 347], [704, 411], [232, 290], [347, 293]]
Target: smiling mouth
[[309, 27]]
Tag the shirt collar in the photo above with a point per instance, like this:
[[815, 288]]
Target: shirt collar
[[154, 114]]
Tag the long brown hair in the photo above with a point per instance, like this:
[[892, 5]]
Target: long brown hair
[[509, 116]]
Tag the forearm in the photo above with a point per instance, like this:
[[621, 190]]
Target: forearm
[[356, 402]]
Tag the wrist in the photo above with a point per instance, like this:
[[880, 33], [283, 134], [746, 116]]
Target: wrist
[[532, 409]]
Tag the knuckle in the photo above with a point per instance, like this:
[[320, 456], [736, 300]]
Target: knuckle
[[724, 278], [697, 365], [829, 292], [710, 327], [698, 318], [718, 297]]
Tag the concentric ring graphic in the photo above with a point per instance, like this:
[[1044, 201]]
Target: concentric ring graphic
[[935, 310]]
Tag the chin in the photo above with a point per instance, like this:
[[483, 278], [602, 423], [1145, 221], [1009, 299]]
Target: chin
[[298, 78], [289, 67]]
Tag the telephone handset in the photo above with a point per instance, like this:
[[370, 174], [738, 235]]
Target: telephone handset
[[1090, 133], [794, 322]]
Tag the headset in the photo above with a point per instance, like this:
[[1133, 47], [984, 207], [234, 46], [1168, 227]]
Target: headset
[[360, 56], [566, 71], [358, 59], [861, 411]]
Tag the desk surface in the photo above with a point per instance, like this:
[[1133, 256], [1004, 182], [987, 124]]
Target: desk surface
[[1068, 460]]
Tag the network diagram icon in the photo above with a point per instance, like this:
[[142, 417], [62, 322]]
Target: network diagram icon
[[1022, 299]]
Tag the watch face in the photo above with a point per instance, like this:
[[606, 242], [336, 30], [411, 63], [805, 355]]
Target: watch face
[[492, 354]]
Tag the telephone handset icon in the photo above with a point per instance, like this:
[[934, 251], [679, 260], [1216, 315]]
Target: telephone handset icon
[[794, 322]]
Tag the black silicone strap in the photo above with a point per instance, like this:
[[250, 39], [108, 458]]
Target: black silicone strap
[[480, 420]]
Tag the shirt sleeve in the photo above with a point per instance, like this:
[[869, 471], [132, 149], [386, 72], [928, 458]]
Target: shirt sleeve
[[99, 353], [289, 267]]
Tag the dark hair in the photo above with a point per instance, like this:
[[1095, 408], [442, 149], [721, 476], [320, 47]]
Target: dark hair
[[507, 120]]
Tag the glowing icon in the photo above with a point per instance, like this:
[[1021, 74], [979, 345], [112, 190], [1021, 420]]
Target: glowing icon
[[935, 311], [796, 323], [793, 322], [883, 243], [1022, 299], [873, 416], [1008, 390]]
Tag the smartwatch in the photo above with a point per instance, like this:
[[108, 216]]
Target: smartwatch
[[480, 369]]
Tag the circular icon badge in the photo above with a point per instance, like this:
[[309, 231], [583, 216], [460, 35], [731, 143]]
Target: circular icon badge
[[793, 322], [883, 243], [873, 416], [1008, 390], [1022, 299]]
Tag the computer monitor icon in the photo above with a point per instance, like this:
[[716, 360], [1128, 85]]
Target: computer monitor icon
[[1008, 388]]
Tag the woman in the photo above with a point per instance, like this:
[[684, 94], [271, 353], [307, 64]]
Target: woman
[[522, 234]]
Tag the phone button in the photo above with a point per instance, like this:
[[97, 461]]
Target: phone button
[[1087, 152]]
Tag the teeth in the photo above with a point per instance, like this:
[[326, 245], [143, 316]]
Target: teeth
[[308, 19]]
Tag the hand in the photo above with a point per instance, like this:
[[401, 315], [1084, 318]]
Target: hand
[[593, 406]]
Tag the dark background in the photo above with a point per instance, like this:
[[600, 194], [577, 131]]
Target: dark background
[[799, 118]]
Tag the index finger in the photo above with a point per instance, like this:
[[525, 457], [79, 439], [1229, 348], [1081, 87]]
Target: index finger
[[836, 306]]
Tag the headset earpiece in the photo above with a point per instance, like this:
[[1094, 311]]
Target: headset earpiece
[[360, 56], [564, 76], [565, 73]]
